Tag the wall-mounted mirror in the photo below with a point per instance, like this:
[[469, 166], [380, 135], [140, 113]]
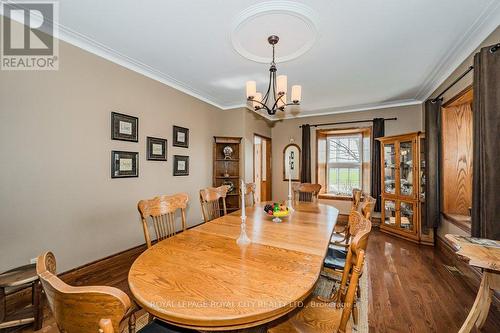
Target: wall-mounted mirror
[[291, 162]]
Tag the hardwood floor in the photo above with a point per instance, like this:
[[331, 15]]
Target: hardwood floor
[[409, 288]]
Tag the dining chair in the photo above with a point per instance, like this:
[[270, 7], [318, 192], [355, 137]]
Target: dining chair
[[306, 192], [318, 317], [84, 309], [250, 194], [161, 210], [341, 227], [209, 199]]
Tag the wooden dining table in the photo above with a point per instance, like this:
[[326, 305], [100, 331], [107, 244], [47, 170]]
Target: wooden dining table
[[201, 279]]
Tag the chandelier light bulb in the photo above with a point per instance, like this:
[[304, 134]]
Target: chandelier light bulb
[[296, 94], [281, 84], [251, 89]]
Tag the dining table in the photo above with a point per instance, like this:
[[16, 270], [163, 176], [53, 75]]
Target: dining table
[[203, 280]]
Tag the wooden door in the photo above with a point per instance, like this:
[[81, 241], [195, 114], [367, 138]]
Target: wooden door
[[262, 168]]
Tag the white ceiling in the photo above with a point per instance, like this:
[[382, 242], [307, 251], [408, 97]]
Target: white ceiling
[[346, 54]]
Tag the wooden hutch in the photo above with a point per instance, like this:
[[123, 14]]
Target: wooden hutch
[[403, 187], [226, 170]]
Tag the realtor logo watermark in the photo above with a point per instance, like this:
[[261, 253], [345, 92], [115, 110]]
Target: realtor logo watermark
[[29, 36]]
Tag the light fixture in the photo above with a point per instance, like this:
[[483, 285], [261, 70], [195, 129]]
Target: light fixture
[[275, 97]]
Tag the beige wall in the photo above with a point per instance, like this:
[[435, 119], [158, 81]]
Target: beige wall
[[494, 38], [409, 120], [56, 190]]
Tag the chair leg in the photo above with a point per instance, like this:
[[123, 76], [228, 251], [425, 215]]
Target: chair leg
[[131, 323], [37, 305], [2, 304], [355, 313]]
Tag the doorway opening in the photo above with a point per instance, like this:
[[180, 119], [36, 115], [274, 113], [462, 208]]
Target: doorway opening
[[262, 168]]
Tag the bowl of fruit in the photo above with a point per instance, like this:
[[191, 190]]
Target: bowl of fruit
[[277, 211]]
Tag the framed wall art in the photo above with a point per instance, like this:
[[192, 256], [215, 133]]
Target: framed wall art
[[181, 137], [156, 149], [181, 165], [291, 162], [124, 127], [124, 164]]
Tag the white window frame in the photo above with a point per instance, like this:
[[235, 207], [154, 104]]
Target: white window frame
[[345, 164]]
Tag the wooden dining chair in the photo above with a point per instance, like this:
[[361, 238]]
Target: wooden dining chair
[[90, 309], [209, 199], [306, 192], [318, 317], [250, 194], [161, 210]]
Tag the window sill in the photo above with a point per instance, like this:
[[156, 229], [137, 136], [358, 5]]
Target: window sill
[[461, 221], [334, 197]]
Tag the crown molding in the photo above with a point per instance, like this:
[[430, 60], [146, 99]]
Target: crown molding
[[484, 25], [101, 50], [345, 109]]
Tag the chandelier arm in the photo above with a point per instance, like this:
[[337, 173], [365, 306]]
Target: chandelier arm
[[276, 103], [266, 96], [264, 106]]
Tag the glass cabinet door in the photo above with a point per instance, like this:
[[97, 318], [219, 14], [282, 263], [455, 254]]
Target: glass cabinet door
[[389, 168], [390, 213], [406, 168], [407, 215]]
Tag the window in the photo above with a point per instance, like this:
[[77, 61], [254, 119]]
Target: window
[[344, 163]]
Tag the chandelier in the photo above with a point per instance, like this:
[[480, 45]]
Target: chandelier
[[275, 98]]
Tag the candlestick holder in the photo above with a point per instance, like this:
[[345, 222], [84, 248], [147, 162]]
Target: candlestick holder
[[243, 239], [290, 204]]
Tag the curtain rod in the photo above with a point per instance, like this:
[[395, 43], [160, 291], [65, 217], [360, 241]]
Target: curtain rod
[[349, 122], [453, 83]]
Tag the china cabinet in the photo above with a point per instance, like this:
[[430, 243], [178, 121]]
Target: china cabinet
[[403, 187], [226, 170]]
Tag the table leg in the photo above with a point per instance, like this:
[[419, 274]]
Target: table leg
[[479, 311], [2, 304], [37, 305]]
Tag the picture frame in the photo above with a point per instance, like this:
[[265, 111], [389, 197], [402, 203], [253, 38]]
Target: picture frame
[[124, 127], [291, 152], [124, 164], [180, 137], [181, 165], [156, 149]]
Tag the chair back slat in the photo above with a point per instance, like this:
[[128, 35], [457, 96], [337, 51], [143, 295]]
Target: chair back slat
[[306, 192], [161, 211], [249, 194], [79, 309], [209, 199], [367, 206], [356, 198]]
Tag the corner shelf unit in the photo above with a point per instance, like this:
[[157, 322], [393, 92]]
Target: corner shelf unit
[[226, 171]]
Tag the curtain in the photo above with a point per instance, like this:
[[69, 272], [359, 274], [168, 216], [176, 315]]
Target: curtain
[[486, 139], [432, 151], [305, 174], [376, 182]]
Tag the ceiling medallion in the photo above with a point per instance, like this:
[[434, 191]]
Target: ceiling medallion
[[293, 21], [275, 97]]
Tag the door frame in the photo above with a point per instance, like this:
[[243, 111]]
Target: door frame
[[269, 152]]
